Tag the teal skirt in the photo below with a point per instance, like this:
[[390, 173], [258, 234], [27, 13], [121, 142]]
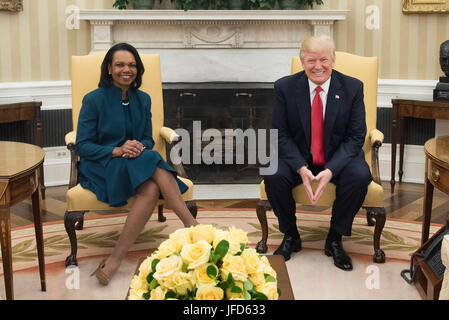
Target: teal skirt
[[121, 177]]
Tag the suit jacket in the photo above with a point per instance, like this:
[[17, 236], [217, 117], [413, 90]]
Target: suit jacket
[[344, 122]]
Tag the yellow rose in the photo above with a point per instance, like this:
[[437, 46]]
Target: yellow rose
[[138, 283], [145, 267], [209, 293], [236, 266], [235, 238], [219, 235], [183, 282], [167, 267], [166, 248], [257, 278], [180, 238], [196, 254], [269, 270], [232, 295], [252, 261], [135, 294], [270, 290], [158, 293], [201, 277], [202, 232]]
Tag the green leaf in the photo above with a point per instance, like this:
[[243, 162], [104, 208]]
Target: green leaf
[[212, 272], [260, 296], [221, 250], [146, 295], [185, 267], [248, 285], [154, 264], [154, 284], [269, 278], [247, 295], [279, 292], [242, 247], [236, 289], [170, 295], [150, 277]]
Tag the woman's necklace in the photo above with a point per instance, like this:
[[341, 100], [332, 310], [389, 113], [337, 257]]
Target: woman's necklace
[[125, 103]]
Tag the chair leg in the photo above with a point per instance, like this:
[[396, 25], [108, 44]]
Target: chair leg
[[73, 220], [379, 215], [160, 213], [191, 205], [262, 207]]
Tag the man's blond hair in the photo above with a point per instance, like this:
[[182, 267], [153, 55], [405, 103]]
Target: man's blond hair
[[317, 43]]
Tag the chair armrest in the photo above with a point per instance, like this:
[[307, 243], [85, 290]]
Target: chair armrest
[[70, 141], [377, 138], [169, 135]]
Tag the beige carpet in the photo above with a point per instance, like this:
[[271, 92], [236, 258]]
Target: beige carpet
[[312, 274]]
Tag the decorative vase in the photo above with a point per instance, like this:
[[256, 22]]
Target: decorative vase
[[142, 4], [288, 4], [236, 4]]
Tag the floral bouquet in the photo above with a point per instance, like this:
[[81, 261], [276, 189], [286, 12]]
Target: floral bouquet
[[205, 263]]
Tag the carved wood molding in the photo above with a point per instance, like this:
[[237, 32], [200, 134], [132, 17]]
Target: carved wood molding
[[428, 6], [11, 5]]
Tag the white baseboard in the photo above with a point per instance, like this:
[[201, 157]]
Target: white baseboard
[[57, 95]]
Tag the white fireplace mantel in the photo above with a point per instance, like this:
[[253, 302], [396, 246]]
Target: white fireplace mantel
[[213, 45]]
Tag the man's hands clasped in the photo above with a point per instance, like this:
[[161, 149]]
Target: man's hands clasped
[[307, 177], [130, 149]]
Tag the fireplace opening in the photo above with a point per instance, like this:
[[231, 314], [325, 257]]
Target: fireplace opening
[[223, 107]]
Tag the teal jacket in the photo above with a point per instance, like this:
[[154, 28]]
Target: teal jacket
[[101, 126]]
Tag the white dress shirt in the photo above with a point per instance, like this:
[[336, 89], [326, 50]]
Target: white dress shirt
[[323, 93]]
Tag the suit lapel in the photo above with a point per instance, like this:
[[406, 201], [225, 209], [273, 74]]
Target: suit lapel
[[333, 103], [303, 104]]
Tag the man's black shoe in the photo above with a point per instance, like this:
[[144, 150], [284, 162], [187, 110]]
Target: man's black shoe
[[289, 245], [341, 259]]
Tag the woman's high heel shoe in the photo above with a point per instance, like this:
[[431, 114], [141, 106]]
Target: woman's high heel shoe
[[102, 277]]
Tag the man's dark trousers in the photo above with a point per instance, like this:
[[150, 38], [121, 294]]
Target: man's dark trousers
[[351, 188]]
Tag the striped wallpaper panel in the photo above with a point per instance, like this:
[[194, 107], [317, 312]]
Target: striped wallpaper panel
[[36, 46]]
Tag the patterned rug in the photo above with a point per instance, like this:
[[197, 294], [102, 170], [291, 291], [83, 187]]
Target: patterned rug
[[399, 238]]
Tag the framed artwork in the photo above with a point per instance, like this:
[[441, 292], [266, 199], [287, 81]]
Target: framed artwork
[[11, 5], [425, 6]]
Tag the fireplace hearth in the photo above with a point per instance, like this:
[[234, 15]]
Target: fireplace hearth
[[221, 106]]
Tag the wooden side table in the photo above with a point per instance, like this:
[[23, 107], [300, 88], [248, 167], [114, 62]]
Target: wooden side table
[[409, 108], [437, 175], [16, 111], [20, 165]]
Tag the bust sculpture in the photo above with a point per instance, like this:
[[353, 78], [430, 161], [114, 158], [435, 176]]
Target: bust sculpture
[[444, 59], [441, 92]]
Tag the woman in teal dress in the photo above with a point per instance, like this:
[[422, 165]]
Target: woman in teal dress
[[114, 142]]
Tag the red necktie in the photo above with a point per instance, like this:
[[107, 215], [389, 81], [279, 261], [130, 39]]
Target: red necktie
[[317, 129]]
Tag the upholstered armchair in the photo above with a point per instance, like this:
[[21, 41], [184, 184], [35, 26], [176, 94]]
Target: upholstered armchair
[[85, 78], [444, 293], [365, 69]]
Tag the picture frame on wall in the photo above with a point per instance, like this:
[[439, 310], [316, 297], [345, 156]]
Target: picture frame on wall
[[11, 5], [425, 6]]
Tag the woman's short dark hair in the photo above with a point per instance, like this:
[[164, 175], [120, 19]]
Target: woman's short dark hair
[[106, 78]]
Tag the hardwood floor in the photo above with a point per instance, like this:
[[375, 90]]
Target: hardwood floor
[[405, 203]]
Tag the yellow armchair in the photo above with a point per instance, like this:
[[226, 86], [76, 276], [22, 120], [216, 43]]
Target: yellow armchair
[[85, 78], [364, 69]]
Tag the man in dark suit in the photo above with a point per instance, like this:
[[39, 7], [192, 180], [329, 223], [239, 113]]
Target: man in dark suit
[[320, 117]]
